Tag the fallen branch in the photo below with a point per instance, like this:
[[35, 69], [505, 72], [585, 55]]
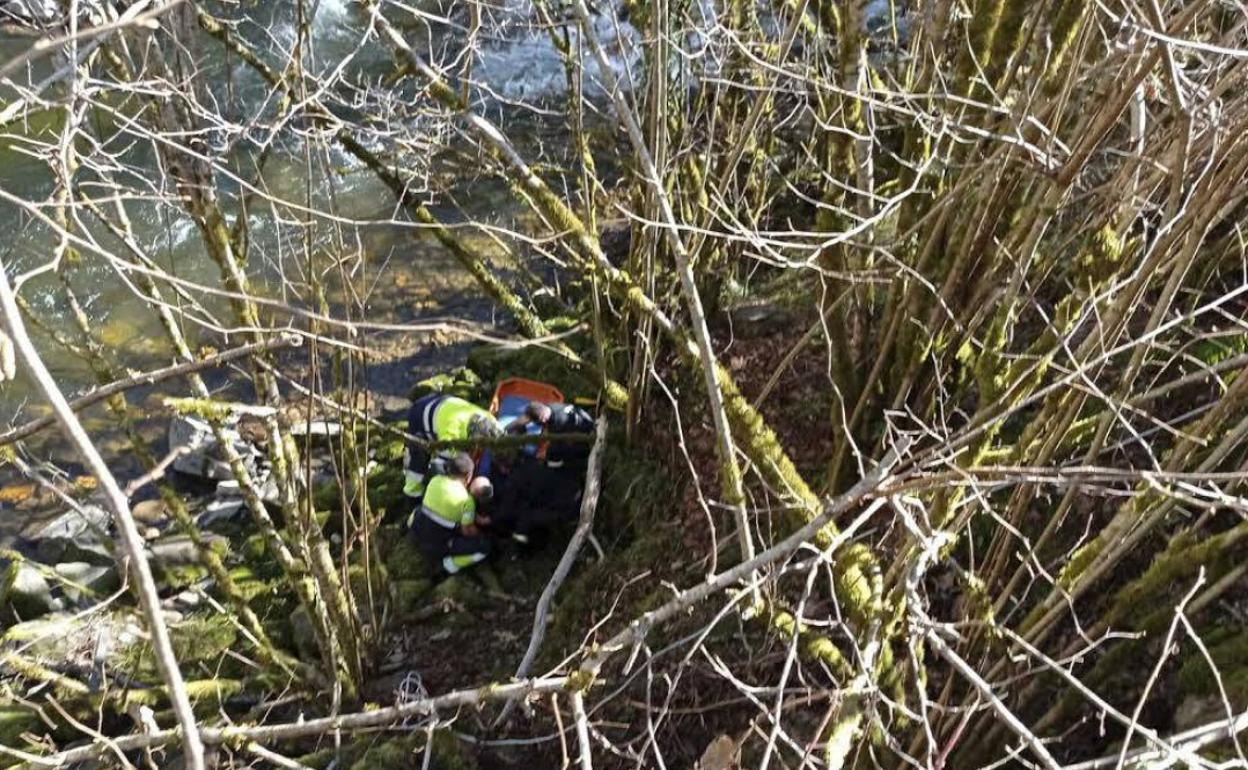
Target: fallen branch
[[582, 731], [363, 720], [1189, 742]]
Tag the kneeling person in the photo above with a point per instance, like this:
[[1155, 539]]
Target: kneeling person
[[446, 523]]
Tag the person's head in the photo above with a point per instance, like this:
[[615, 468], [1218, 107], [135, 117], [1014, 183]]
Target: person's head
[[461, 466], [537, 412], [481, 489], [481, 426]]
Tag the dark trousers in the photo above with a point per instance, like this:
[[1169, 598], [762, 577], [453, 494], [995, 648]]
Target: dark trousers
[[445, 548], [535, 498], [420, 424], [417, 457]]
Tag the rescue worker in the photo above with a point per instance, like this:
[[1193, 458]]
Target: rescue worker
[[541, 493], [446, 525], [558, 420], [439, 417]]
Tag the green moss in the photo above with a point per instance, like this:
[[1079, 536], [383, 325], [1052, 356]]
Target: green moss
[[205, 694], [202, 638], [1218, 349], [1186, 554], [389, 448], [859, 585], [494, 363], [1228, 647], [14, 722], [326, 495], [761, 445], [461, 381], [204, 408], [407, 596], [844, 732], [385, 491], [1065, 26], [180, 576], [248, 584], [1100, 257], [39, 628], [460, 589], [254, 548], [402, 558]]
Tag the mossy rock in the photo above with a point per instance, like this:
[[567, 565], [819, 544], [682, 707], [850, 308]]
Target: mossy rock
[[179, 577], [448, 754], [389, 448], [14, 722], [24, 593], [1229, 649], [326, 495], [358, 579], [303, 635], [487, 578], [202, 638], [403, 559], [385, 492], [251, 586], [408, 596], [460, 381], [197, 639], [495, 363], [460, 589], [254, 548], [50, 627]]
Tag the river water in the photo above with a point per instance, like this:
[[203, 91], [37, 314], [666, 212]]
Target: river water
[[512, 62]]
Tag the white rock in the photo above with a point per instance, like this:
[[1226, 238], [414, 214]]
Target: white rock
[[204, 458], [219, 510], [76, 535], [315, 428]]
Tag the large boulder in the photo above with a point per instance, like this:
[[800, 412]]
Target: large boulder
[[25, 594], [175, 561], [84, 640], [78, 534], [219, 511], [180, 550], [84, 581]]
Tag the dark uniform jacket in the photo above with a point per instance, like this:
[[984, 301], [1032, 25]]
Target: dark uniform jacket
[[567, 419]]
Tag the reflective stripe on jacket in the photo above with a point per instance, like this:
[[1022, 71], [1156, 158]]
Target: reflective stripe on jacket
[[448, 502]]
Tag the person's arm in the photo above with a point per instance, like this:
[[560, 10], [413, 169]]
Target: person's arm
[[472, 520], [468, 519]]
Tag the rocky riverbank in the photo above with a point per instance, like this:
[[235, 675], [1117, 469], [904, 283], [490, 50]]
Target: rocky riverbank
[[70, 627]]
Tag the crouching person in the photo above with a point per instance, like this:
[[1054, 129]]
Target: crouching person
[[446, 525]]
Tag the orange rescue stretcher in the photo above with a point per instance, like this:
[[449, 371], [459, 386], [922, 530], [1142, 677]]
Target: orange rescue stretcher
[[511, 396]]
